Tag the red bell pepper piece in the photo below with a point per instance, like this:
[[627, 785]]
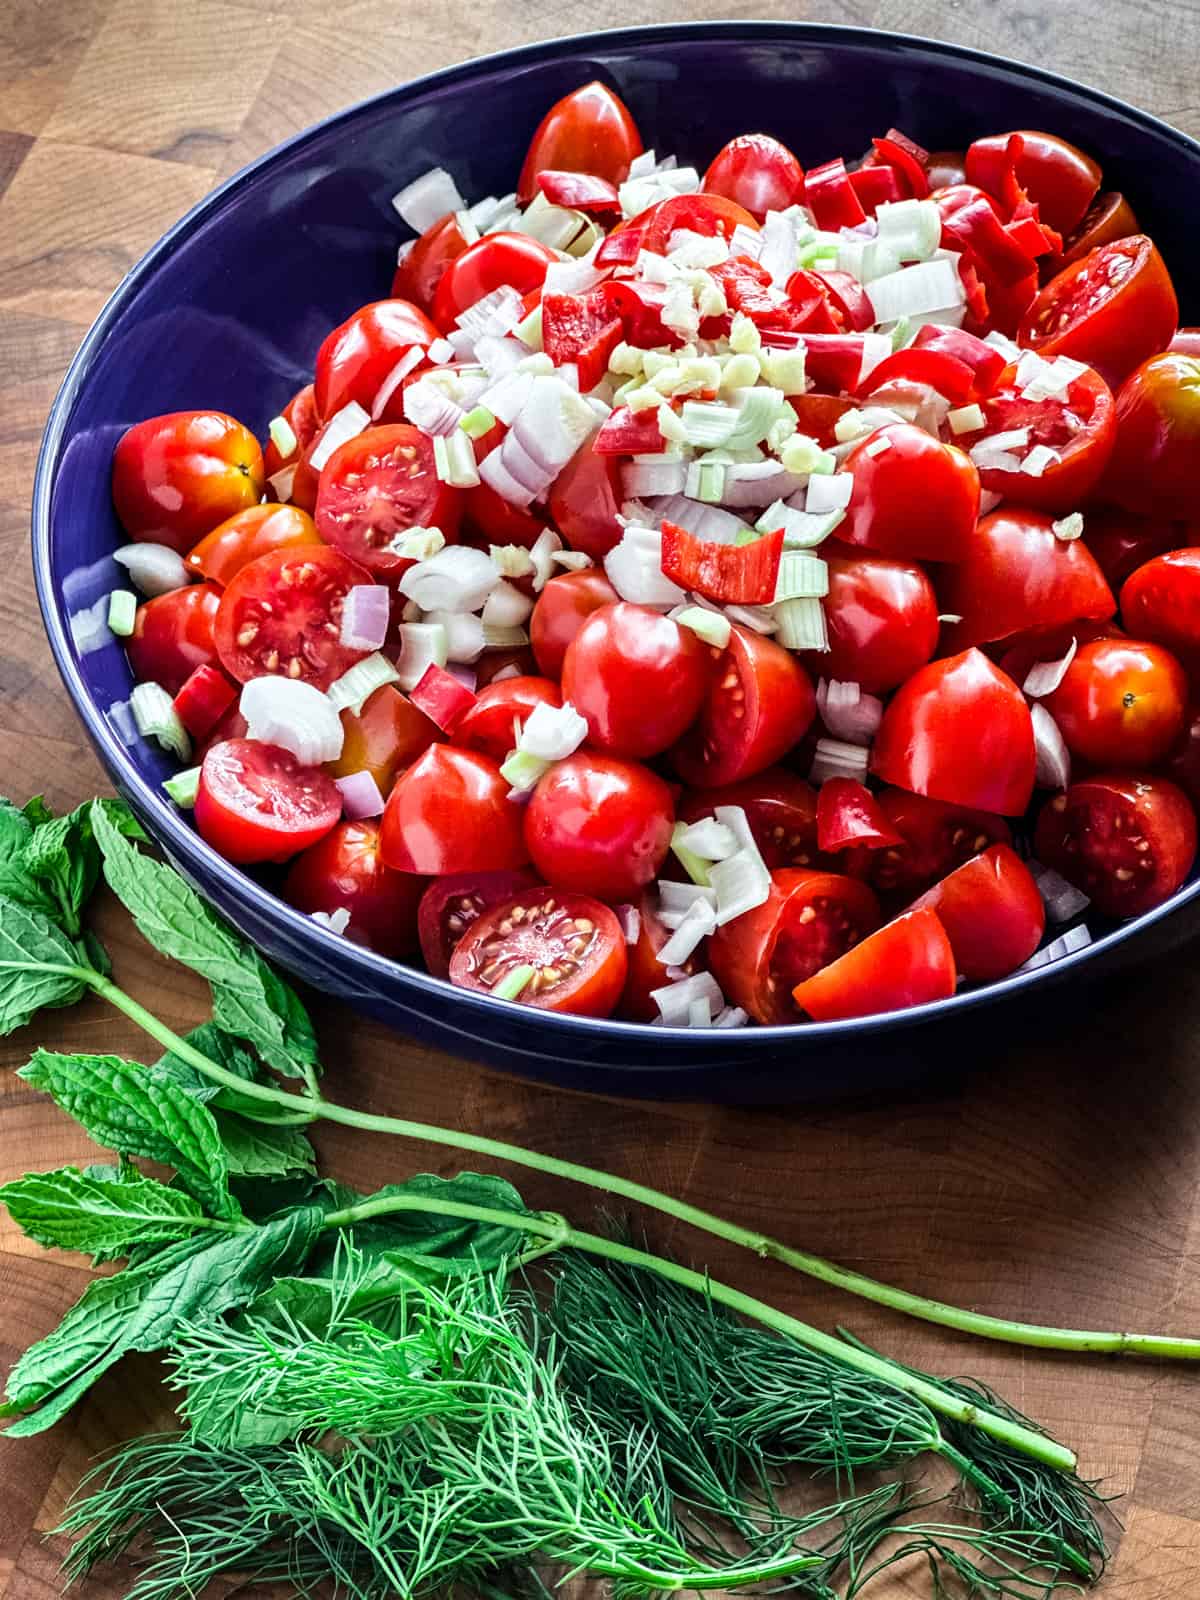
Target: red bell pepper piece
[[834, 361], [733, 574], [583, 328], [629, 433], [810, 305], [909, 161], [581, 191], [975, 229], [1033, 236], [849, 299], [640, 306], [828, 194], [620, 248], [205, 697], [941, 371], [849, 817], [984, 359], [875, 186], [442, 697]]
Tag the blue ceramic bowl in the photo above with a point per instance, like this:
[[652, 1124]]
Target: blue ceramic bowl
[[229, 308]]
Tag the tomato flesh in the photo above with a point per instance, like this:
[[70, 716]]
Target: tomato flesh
[[882, 620], [992, 912], [344, 872], [282, 614], [1127, 841], [757, 172], [936, 838], [909, 962], [781, 811], [375, 488], [453, 902], [573, 943], [257, 803]]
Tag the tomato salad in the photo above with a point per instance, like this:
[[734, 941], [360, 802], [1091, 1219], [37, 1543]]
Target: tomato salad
[[747, 596]]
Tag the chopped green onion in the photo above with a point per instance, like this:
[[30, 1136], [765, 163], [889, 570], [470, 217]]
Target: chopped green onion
[[706, 423], [184, 787], [417, 544], [156, 718], [711, 626], [512, 985], [539, 363], [477, 422], [353, 689], [627, 358], [744, 336], [758, 411], [521, 770], [801, 577], [743, 371], [670, 425], [283, 436], [692, 864], [656, 361], [802, 530], [529, 329], [802, 624], [903, 333], [785, 369], [851, 425], [122, 612], [454, 460], [804, 456], [817, 250], [496, 637], [706, 481], [749, 535], [511, 560]]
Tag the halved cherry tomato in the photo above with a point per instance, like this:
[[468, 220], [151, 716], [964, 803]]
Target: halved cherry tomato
[[850, 817], [1112, 309], [204, 699], [248, 534], [491, 517], [882, 618], [584, 501], [450, 812], [257, 803], [992, 912], [637, 677], [1120, 703], [937, 838], [1058, 177], [176, 476], [1018, 575], [343, 871], [1161, 601], [491, 724], [420, 269], [761, 703], [599, 826], [959, 730], [757, 172], [918, 499], [1186, 342], [560, 612], [588, 130], [909, 962], [497, 261], [781, 810], [741, 574], [453, 902], [1122, 542], [356, 360], [808, 920], [1153, 468], [387, 735], [377, 486], [173, 634], [302, 416], [1109, 217], [581, 328], [646, 972], [573, 943], [1127, 841], [283, 614]]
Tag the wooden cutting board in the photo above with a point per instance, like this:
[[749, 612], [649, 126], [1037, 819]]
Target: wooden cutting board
[[1058, 1183]]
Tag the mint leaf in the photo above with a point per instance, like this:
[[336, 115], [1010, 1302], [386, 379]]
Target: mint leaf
[[64, 858], [195, 1280], [100, 1210], [253, 1150], [124, 1108], [37, 965], [16, 882], [220, 1048], [36, 810]]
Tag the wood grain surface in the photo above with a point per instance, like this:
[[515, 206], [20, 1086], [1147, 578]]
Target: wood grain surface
[[1059, 1182]]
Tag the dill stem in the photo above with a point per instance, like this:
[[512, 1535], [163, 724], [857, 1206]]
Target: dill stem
[[1034, 1335]]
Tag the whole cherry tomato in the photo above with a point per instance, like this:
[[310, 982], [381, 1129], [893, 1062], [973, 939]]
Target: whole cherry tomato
[[375, 488], [781, 810], [420, 269], [882, 619], [257, 803], [282, 614], [561, 610], [572, 943], [1161, 601], [757, 172], [176, 476], [450, 812], [917, 499], [490, 724], [1109, 217], [637, 677], [1182, 766], [1018, 575], [387, 735], [1058, 177], [584, 501], [937, 838], [992, 912], [343, 871], [173, 634], [760, 704], [304, 420], [808, 920], [1122, 542], [248, 534], [588, 130], [1186, 342], [1120, 703], [1154, 465], [1111, 310], [1127, 841], [452, 903], [908, 962], [358, 358], [599, 826], [959, 730], [497, 261]]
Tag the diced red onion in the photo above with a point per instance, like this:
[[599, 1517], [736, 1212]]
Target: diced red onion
[[1053, 758], [756, 484], [630, 921], [365, 615], [467, 676], [360, 795], [427, 199], [1062, 899], [1045, 676], [411, 358], [847, 712], [511, 671]]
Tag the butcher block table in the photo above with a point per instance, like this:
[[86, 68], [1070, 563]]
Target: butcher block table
[[1056, 1182]]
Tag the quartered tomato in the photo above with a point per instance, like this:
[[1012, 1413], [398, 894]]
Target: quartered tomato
[[1120, 703], [992, 912], [204, 700], [584, 501], [343, 871], [1109, 217], [283, 614], [959, 730], [176, 476], [756, 172], [781, 810], [257, 803], [1182, 766], [882, 618], [1154, 465], [174, 634], [420, 269], [760, 704], [937, 838], [599, 826], [560, 612], [1127, 841], [387, 735], [303, 418], [588, 130], [1112, 309], [1019, 575], [453, 902], [500, 709], [358, 358], [637, 677], [850, 818], [917, 499], [808, 920], [377, 486], [248, 534], [909, 962], [1122, 542], [1161, 601], [497, 261], [573, 944], [1058, 177], [450, 812]]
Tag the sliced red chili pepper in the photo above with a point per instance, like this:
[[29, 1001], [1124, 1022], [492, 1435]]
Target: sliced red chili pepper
[[831, 199], [943, 372], [984, 359], [621, 248], [875, 186], [583, 328], [1032, 236], [442, 698], [850, 298], [848, 816], [974, 227], [582, 191], [734, 574], [205, 697], [910, 161], [629, 433]]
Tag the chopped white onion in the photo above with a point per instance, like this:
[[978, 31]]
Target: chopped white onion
[[422, 645], [506, 607], [495, 313], [759, 619], [916, 291], [427, 199], [153, 568], [630, 920], [702, 521], [1068, 528], [294, 715], [343, 426], [779, 252], [573, 277], [360, 795], [731, 1017], [440, 351], [696, 923], [411, 359], [281, 482], [837, 758], [709, 839], [1062, 899], [365, 613], [466, 638], [666, 476], [675, 899], [428, 407], [829, 492], [1065, 945], [847, 712], [1038, 459], [634, 568], [500, 356], [1053, 769], [336, 921], [458, 578], [744, 241], [552, 732], [674, 999], [1045, 676]]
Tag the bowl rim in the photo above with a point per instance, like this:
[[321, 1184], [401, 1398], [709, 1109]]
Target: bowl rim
[[182, 842]]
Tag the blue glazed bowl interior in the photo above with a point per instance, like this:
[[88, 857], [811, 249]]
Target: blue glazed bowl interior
[[229, 309]]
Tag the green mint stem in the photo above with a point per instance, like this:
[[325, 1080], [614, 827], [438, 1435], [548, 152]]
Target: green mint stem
[[913, 1305]]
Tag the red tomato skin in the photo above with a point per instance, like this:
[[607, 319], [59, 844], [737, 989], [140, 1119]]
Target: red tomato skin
[[600, 826], [356, 358], [1058, 177], [419, 273], [937, 838], [173, 635], [992, 912], [1186, 342], [343, 870], [757, 172], [584, 501], [645, 972], [450, 904], [1020, 575], [259, 595], [587, 984], [781, 810], [488, 724], [176, 476], [1161, 601], [638, 679], [817, 415], [1122, 542], [1094, 830], [918, 500], [1182, 766], [959, 730], [849, 816], [946, 169], [248, 534], [384, 738], [1153, 468], [247, 837], [377, 485], [561, 610], [301, 415], [882, 618], [1121, 703], [908, 962], [450, 812], [490, 517], [589, 130], [496, 260], [1108, 218]]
